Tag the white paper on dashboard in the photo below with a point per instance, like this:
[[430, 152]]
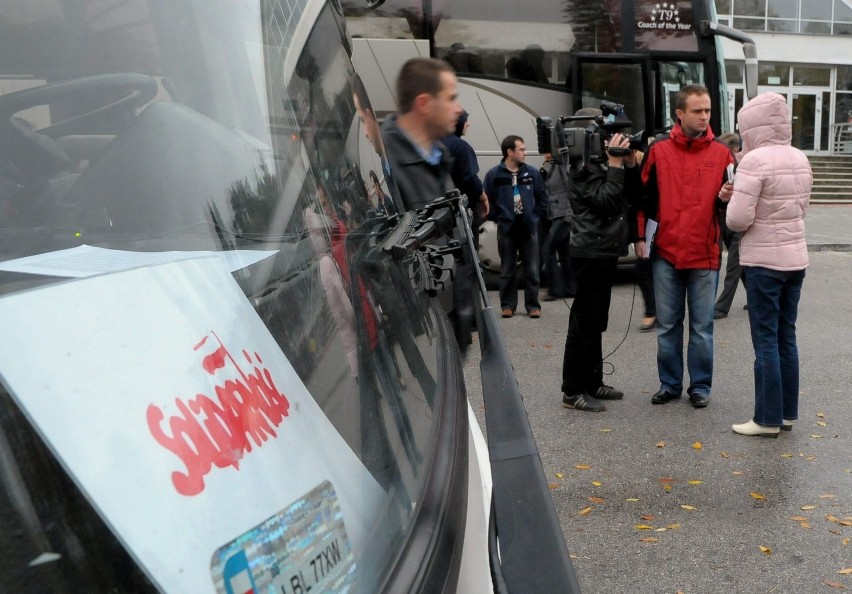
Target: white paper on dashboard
[[86, 260], [109, 368], [650, 232]]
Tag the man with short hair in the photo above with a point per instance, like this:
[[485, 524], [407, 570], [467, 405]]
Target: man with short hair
[[427, 96], [517, 202], [685, 183]]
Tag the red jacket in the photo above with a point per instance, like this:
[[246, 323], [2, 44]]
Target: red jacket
[[682, 178]]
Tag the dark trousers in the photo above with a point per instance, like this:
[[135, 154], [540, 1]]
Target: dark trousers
[[518, 241], [557, 261], [645, 280], [582, 369], [733, 270]]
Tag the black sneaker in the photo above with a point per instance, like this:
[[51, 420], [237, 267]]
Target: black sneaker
[[583, 402], [609, 393]]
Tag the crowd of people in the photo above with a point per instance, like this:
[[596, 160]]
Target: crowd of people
[[680, 204]]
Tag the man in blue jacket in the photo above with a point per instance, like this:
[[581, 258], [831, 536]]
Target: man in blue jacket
[[517, 202]]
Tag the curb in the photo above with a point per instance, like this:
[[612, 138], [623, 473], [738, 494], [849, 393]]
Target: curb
[[830, 247]]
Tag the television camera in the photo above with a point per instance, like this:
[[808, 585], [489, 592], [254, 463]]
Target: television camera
[[584, 144]]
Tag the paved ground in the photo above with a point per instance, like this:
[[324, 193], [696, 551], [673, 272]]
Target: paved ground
[[667, 499]]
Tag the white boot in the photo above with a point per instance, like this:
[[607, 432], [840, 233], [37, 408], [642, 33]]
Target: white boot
[[787, 426], [752, 428]]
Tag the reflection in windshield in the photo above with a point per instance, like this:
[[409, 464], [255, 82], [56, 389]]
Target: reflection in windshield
[[193, 126]]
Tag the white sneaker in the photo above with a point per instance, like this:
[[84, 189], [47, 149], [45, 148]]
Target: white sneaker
[[752, 428], [787, 426]]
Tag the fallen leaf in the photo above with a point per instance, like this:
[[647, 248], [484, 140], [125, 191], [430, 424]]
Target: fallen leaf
[[660, 529], [837, 585], [815, 436], [845, 542], [585, 511], [757, 496], [845, 523], [560, 475], [804, 524], [835, 533], [831, 518], [631, 499], [661, 444], [597, 483], [688, 507], [822, 423], [596, 500], [810, 458], [582, 467], [845, 571], [821, 415], [766, 550], [697, 445], [738, 473], [649, 539], [827, 496], [553, 486], [665, 479], [643, 527], [799, 519], [787, 455], [673, 526], [809, 507], [694, 482], [605, 430], [647, 517], [724, 454], [667, 487]]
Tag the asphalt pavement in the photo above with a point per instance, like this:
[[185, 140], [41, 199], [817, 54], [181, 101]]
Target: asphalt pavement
[[667, 499]]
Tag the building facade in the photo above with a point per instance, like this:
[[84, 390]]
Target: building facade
[[805, 52]]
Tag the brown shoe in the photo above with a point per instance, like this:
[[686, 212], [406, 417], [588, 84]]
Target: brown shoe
[[508, 313], [648, 324], [535, 313]]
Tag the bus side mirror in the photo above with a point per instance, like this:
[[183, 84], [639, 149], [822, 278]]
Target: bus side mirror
[[707, 28]]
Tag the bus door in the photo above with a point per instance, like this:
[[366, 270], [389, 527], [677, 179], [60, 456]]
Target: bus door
[[620, 78]]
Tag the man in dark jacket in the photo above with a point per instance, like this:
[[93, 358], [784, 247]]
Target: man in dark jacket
[[426, 92], [599, 236], [465, 172], [557, 261], [517, 202]]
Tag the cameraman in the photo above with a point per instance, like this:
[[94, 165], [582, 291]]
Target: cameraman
[[599, 235]]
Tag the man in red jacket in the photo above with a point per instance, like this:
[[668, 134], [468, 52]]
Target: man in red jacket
[[684, 177]]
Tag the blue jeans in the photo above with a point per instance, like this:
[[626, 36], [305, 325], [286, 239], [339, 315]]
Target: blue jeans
[[673, 290], [773, 304], [518, 241]]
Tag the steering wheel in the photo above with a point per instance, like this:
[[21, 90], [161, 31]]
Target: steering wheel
[[35, 152]]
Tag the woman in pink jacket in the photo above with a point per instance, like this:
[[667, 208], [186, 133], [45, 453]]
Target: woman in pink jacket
[[771, 194]]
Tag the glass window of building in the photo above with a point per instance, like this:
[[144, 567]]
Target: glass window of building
[[782, 25], [749, 24], [734, 72], [723, 7], [773, 75], [783, 9], [815, 28], [816, 10], [842, 11], [749, 7], [811, 76]]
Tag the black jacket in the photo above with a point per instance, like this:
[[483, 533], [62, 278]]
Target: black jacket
[[600, 199], [418, 181]]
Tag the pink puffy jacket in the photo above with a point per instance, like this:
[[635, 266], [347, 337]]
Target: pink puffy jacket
[[771, 189]]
